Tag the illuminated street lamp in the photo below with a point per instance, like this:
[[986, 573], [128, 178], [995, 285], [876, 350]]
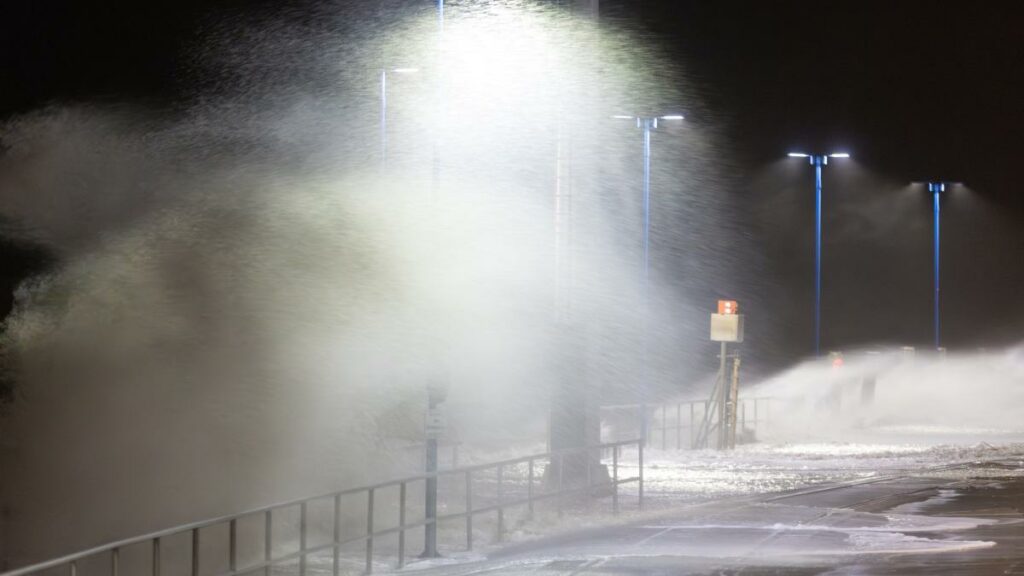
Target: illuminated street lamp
[[646, 124], [817, 160], [384, 109], [936, 189]]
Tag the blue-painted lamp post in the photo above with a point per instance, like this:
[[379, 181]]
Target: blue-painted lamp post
[[936, 189], [818, 161], [646, 124]]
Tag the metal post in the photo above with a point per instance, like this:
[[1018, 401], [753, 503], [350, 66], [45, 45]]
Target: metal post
[[156, 557], [693, 426], [529, 488], [233, 545], [501, 511], [401, 525], [679, 426], [73, 568], [115, 562], [561, 474], [336, 560], [268, 540], [936, 188], [647, 124], [469, 510], [369, 531], [615, 479], [430, 530], [723, 398], [640, 489], [195, 552], [664, 427], [302, 538], [430, 501], [383, 118], [818, 161]]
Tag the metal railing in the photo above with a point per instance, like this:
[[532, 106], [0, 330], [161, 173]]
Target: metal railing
[[558, 489], [677, 424]]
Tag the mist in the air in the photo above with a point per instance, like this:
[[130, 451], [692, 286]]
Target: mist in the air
[[249, 299]]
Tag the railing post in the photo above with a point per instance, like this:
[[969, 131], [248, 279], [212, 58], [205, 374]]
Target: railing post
[[586, 462], [679, 426], [302, 539], [73, 568], [469, 509], [501, 510], [369, 531], [664, 427], [640, 462], [233, 545], [195, 552], [529, 488], [561, 495], [156, 557], [401, 525], [693, 425], [268, 541], [615, 479], [336, 560], [115, 562]]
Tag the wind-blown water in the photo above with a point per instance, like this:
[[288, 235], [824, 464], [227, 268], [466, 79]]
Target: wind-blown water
[[248, 303]]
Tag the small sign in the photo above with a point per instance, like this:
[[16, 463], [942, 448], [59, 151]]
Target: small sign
[[727, 328], [728, 307], [435, 422]]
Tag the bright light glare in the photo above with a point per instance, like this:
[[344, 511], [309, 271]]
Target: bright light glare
[[839, 155], [673, 117], [798, 155], [405, 70], [623, 117]]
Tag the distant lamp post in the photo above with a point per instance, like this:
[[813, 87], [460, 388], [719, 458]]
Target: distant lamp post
[[646, 124], [936, 189], [384, 109], [817, 160]]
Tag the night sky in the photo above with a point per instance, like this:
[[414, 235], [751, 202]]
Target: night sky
[[915, 90]]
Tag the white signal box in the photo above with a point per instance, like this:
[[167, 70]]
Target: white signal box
[[727, 324]]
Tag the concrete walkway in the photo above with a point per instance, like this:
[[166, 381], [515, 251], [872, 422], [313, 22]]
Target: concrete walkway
[[962, 520]]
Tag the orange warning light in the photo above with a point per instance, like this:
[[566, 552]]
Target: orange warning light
[[728, 307]]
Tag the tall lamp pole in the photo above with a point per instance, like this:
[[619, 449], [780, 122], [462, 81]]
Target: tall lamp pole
[[818, 161], [646, 124], [936, 189]]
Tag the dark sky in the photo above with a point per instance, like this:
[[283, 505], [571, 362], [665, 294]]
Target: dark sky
[[914, 89]]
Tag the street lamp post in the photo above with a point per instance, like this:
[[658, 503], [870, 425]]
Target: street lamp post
[[646, 124], [384, 109], [818, 161], [936, 189]]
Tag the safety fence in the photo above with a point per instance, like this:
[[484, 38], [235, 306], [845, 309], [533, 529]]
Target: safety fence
[[676, 425], [256, 541]]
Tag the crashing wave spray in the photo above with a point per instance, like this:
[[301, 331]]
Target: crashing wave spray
[[246, 309]]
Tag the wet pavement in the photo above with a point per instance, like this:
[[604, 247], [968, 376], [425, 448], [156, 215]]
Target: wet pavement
[[965, 519]]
